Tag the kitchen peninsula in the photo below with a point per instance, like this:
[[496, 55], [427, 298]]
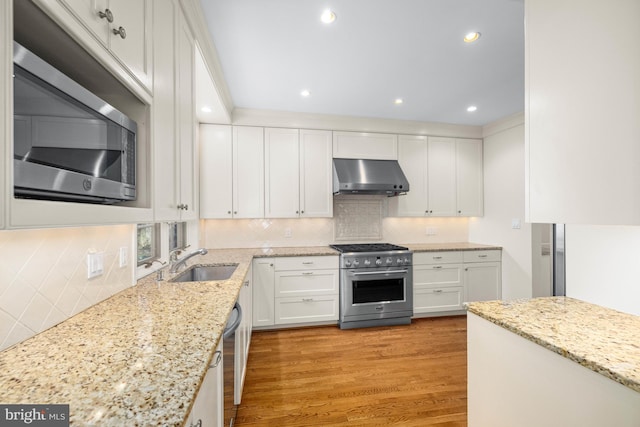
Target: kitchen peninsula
[[552, 361]]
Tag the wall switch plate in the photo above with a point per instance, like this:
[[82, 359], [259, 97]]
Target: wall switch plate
[[431, 231], [95, 264], [287, 233], [516, 224], [124, 256]]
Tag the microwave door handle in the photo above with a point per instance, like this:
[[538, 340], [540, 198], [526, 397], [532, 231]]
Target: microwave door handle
[[368, 273]]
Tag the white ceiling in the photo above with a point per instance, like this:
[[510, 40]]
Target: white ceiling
[[375, 51]]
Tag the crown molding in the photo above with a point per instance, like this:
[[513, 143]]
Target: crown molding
[[503, 124]]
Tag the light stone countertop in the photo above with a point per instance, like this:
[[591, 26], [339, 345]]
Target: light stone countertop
[[601, 339], [446, 247], [139, 357]]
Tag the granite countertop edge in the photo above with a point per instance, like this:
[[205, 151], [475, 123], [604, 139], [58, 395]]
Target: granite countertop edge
[[617, 359]]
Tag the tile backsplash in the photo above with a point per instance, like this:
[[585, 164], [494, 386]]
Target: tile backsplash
[[43, 275], [255, 233]]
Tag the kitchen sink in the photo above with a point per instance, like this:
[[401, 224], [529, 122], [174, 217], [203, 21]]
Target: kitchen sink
[[203, 273]]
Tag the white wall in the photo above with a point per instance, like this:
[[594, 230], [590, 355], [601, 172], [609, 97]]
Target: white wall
[[503, 202], [43, 275], [603, 265]]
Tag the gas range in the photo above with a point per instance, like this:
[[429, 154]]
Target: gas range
[[376, 285], [373, 255]]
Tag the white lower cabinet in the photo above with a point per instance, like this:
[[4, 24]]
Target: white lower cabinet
[[207, 409], [444, 281], [292, 290], [263, 291]]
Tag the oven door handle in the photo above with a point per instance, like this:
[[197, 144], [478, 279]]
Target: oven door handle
[[369, 273]]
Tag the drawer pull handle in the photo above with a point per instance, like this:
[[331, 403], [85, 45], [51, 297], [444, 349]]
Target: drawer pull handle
[[482, 256], [307, 299], [106, 15], [307, 273], [437, 257], [437, 291], [307, 262], [120, 32], [216, 359], [437, 266]]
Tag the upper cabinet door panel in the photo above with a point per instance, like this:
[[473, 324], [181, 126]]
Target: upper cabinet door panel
[[134, 49], [282, 176], [360, 145], [581, 112], [248, 172], [89, 11], [216, 183], [469, 177], [412, 156], [316, 174], [441, 167]]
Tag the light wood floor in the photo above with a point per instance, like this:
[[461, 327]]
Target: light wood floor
[[412, 375]]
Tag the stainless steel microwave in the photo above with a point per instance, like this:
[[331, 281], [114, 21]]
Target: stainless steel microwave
[[68, 143]]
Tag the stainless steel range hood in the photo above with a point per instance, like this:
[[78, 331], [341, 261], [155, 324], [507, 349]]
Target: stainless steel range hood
[[358, 176]]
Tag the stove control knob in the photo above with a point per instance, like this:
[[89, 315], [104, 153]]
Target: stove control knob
[[389, 261], [407, 261], [367, 262], [347, 263], [399, 261], [378, 261], [356, 262]]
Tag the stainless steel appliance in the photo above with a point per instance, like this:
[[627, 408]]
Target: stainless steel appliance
[[228, 365], [376, 285], [68, 143], [365, 176]]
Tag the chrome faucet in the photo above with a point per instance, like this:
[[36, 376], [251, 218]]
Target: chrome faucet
[[176, 263]]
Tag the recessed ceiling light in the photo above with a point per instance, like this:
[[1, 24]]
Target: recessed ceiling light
[[471, 37], [206, 109], [328, 16], [305, 93], [398, 101], [472, 108]]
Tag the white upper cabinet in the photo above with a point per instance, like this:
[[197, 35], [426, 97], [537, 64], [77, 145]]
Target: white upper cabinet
[[6, 82], [282, 173], [174, 119], [581, 112], [248, 172], [412, 157], [360, 145], [469, 177], [316, 174], [123, 27], [216, 172], [441, 172], [231, 171]]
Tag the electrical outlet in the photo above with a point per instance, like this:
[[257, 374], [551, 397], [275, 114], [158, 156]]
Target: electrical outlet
[[515, 223], [124, 256], [95, 264], [431, 231], [287, 233]]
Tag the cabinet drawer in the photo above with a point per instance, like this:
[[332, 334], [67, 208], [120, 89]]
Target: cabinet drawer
[[305, 263], [308, 309], [312, 282], [430, 276], [482, 256], [445, 257], [438, 299]]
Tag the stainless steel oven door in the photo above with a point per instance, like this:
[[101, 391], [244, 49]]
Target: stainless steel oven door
[[378, 293]]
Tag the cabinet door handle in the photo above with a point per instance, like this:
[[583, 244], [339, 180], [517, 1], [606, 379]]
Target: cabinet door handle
[[301, 212], [229, 212], [120, 31], [437, 267], [106, 15], [297, 212], [246, 283], [235, 212], [307, 299], [437, 291], [307, 273]]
